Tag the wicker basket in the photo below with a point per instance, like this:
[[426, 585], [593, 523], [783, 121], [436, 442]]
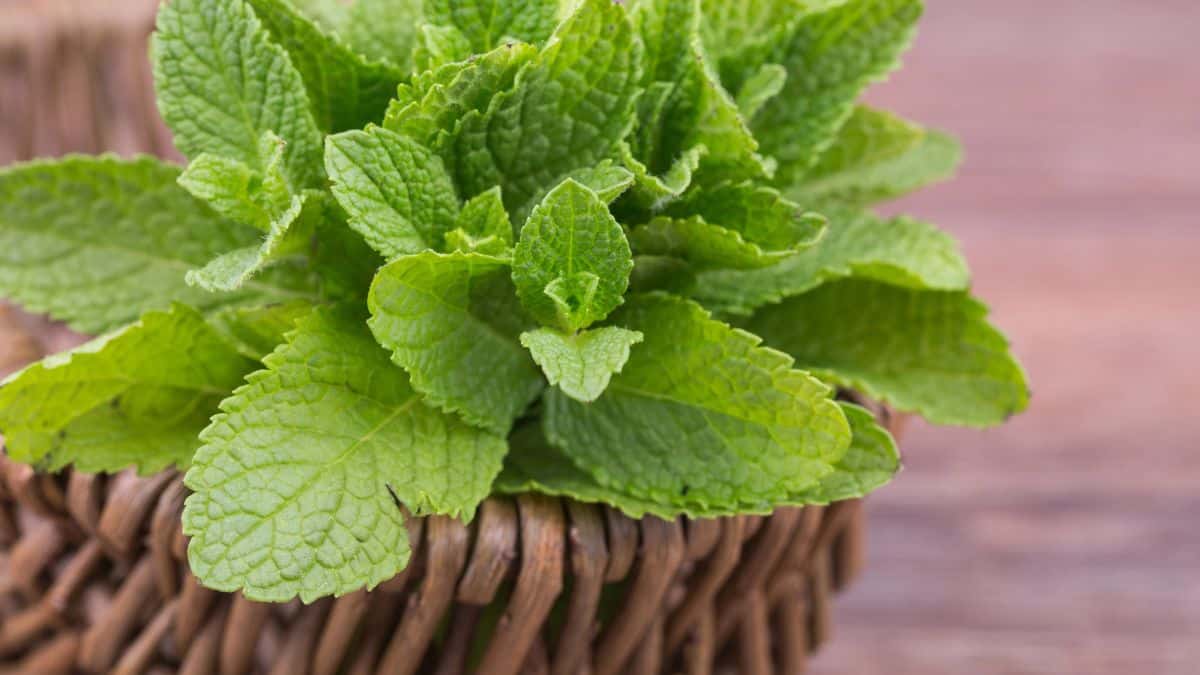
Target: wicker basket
[[93, 572]]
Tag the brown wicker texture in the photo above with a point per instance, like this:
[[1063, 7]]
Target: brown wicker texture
[[93, 573]]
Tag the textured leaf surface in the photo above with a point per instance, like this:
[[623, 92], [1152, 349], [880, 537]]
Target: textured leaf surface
[[384, 29], [97, 241], [137, 397], [757, 212], [701, 414], [437, 46], [222, 84], [297, 484], [395, 190], [763, 86], [452, 321], [930, 352], [900, 251], [581, 365], [831, 56], [344, 89], [237, 191], [607, 179], [482, 226], [256, 331], [571, 266], [569, 109], [704, 245], [487, 23], [869, 464]]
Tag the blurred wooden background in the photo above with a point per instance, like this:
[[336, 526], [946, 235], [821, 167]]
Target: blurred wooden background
[[1067, 542]]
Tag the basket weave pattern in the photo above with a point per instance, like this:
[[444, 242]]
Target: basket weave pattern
[[93, 572]]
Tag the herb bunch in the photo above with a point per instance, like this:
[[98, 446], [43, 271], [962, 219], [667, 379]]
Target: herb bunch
[[426, 252]]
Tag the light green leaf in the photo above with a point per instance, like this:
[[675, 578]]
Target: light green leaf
[[488, 23], [384, 29], [428, 108], [136, 397], [701, 414], [606, 179], [345, 90], [737, 33], [653, 193], [256, 331], [238, 192], [869, 464], [570, 107], [930, 352], [483, 227], [290, 235], [704, 245], [757, 212], [899, 251], [437, 46], [222, 84], [878, 156], [97, 241], [763, 86], [295, 489], [667, 29], [452, 321], [572, 263], [396, 192], [581, 365], [831, 56]]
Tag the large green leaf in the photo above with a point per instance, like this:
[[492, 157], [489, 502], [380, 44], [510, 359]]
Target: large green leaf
[[384, 29], [870, 463], [488, 23], [453, 321], [297, 489], [929, 352], [701, 415], [137, 397]]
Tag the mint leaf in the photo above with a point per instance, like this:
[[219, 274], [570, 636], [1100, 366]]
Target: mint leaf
[[437, 46], [758, 212], [581, 365], [570, 107], [289, 236], [238, 192], [222, 84], [97, 241], [869, 464], [878, 156], [831, 55], [488, 23], [452, 322], [571, 265], [483, 226], [763, 86], [899, 251], [431, 104], [704, 245], [929, 352], [136, 397], [607, 179], [654, 192], [385, 30], [295, 487], [256, 331], [395, 190], [344, 89], [701, 414]]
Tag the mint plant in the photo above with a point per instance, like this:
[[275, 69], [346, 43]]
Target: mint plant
[[428, 252]]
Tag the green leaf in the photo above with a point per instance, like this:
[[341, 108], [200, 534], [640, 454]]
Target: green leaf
[[607, 179], [930, 352], [831, 56], [395, 190], [295, 489], [428, 108], [385, 30], [581, 365], [667, 29], [345, 90], [452, 321], [654, 192], [763, 86], [572, 263], [136, 397], [899, 251], [488, 23], [437, 46], [222, 84], [256, 331], [239, 192], [97, 241], [482, 227], [736, 33], [701, 415], [869, 464], [757, 212], [878, 156], [569, 109], [289, 235], [704, 245]]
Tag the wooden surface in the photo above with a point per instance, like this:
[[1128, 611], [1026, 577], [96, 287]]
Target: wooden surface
[[1068, 542]]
